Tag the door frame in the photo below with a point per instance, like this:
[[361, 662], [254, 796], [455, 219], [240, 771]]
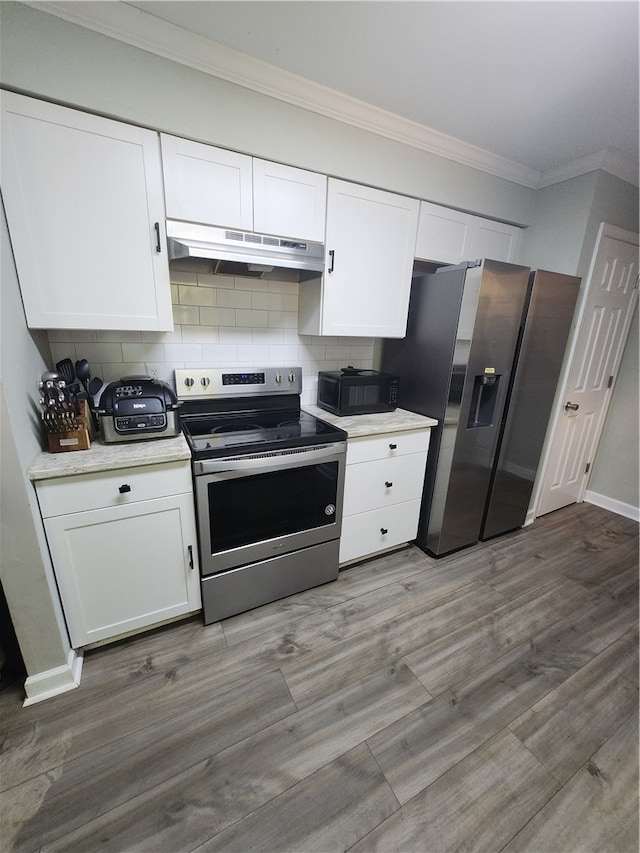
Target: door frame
[[605, 231]]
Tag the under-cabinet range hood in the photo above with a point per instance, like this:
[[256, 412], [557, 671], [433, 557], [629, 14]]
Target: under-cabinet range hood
[[242, 253]]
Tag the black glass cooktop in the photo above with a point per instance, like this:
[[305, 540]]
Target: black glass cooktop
[[211, 435]]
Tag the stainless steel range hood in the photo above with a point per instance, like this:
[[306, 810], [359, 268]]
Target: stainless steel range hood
[[242, 253]]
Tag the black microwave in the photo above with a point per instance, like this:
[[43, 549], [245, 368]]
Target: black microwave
[[357, 392]]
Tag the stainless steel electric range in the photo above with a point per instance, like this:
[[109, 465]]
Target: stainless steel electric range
[[268, 481]]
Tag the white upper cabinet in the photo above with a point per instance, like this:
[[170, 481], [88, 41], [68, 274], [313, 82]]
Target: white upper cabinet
[[206, 184], [85, 209], [444, 235], [369, 245], [288, 202], [494, 240], [450, 236], [213, 186]]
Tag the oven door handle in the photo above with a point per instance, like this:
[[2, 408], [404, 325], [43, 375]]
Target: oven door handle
[[275, 459]]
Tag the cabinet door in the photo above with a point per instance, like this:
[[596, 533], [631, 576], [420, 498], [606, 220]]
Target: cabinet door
[[494, 240], [121, 569], [207, 184], [288, 202], [85, 209], [370, 242], [444, 235]]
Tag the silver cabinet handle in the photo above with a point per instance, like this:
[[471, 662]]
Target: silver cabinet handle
[[571, 406]]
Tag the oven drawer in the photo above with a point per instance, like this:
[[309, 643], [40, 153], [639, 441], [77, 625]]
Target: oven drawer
[[64, 495], [387, 446]]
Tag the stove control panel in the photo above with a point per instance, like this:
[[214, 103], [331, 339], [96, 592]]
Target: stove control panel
[[204, 383]]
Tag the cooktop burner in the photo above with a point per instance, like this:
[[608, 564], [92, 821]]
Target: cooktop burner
[[224, 413], [216, 434]]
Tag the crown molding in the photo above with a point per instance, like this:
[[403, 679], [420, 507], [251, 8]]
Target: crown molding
[[132, 26], [606, 160]]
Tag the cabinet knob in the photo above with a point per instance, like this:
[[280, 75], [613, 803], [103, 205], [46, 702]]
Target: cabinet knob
[[125, 487], [393, 446], [384, 531], [388, 484]]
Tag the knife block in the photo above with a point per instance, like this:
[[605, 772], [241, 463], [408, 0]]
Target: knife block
[[75, 439]]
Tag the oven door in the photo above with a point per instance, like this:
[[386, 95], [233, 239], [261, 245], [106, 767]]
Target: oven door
[[262, 505]]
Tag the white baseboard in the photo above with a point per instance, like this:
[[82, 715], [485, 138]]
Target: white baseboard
[[52, 682], [620, 508]]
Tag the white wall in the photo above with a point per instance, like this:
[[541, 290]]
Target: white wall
[[25, 567]]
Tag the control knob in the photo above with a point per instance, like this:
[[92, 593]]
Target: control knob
[[205, 381], [189, 381]]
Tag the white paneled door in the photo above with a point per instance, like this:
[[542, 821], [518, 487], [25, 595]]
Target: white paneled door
[[605, 317]]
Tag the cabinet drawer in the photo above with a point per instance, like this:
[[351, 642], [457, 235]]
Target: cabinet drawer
[[387, 446], [364, 534], [383, 482], [94, 491]]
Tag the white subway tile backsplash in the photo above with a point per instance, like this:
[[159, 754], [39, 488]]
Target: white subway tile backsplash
[[338, 352], [143, 352], [174, 337], [219, 355], [283, 354], [236, 336], [181, 277], [72, 336], [220, 321], [109, 336], [199, 334], [283, 319], [105, 352], [253, 354], [268, 336], [234, 298], [196, 295], [183, 352], [186, 315], [252, 318]]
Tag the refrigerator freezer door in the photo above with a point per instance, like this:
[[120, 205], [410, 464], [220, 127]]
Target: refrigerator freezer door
[[546, 331], [486, 341]]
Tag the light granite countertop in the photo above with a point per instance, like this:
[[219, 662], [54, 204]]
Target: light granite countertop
[[108, 457], [357, 426]]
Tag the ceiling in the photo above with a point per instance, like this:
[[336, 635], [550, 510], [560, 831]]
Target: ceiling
[[533, 91], [539, 83]]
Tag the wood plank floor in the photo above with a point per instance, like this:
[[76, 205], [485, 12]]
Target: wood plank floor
[[485, 701]]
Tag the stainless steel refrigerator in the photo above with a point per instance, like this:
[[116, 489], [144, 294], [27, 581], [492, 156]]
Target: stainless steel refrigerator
[[483, 352]]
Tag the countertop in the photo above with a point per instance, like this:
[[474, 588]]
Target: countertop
[[108, 457], [357, 426]]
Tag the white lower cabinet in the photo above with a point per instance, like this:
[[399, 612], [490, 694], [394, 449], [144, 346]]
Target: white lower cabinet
[[382, 492], [123, 545]]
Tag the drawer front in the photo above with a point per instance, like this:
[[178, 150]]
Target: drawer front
[[364, 534], [387, 446], [63, 495], [383, 482]]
